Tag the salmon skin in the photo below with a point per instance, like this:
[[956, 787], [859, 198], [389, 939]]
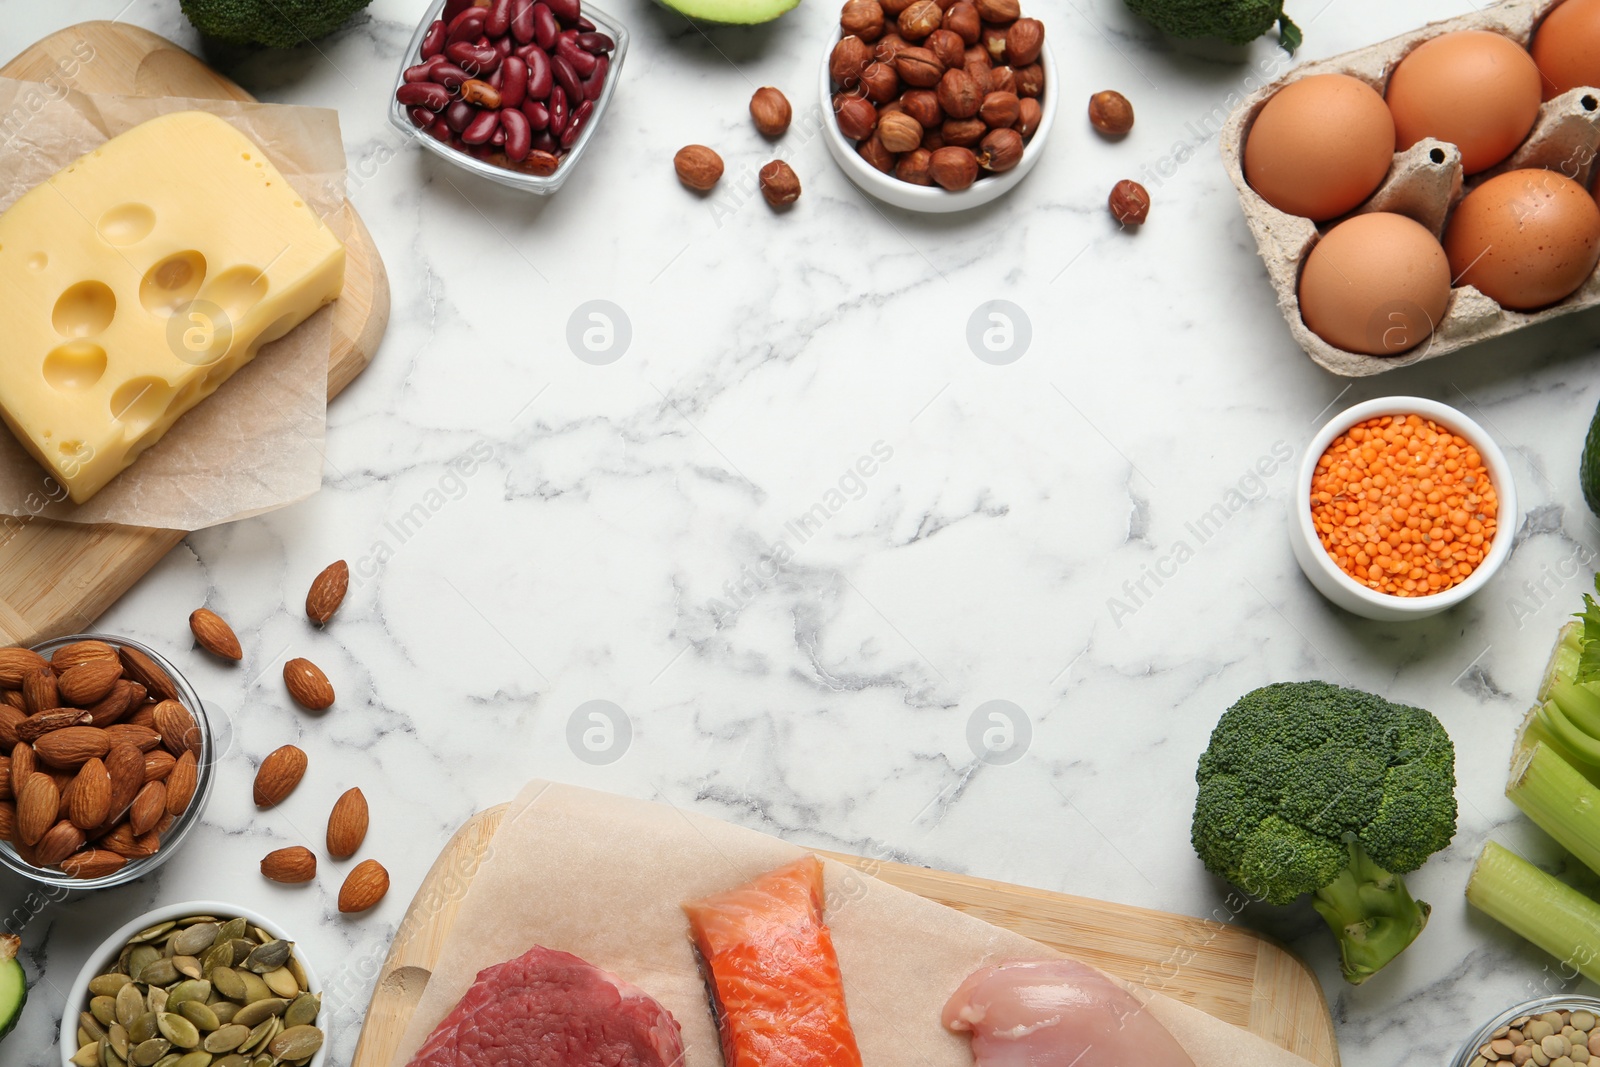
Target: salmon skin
[[772, 972]]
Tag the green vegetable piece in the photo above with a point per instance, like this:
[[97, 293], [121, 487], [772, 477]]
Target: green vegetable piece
[[1237, 21], [274, 23], [1589, 465], [1312, 788], [1539, 908], [1560, 801], [13, 984]]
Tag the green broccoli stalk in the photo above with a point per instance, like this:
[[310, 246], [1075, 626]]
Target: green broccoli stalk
[[1312, 788], [1238, 21], [274, 23]]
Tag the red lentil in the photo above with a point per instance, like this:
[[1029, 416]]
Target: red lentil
[[1403, 505]]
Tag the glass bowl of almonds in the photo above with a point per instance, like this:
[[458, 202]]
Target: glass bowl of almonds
[[208, 981], [106, 760], [1541, 1032]]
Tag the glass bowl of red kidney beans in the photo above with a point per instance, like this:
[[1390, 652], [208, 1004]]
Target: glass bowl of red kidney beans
[[512, 90]]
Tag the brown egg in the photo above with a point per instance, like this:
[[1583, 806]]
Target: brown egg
[[1320, 146], [1567, 47], [1377, 284], [1478, 90], [1524, 239]]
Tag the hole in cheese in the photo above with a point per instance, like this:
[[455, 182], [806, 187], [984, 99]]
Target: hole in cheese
[[84, 309], [172, 283], [139, 402], [75, 366], [126, 224], [237, 290], [38, 261]]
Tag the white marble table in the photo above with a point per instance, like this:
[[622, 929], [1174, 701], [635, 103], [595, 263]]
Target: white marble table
[[611, 539]]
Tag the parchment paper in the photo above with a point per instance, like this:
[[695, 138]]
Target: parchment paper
[[603, 877], [255, 444]]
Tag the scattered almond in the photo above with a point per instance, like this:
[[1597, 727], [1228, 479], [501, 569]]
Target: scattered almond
[[15, 663], [347, 825], [8, 821], [142, 669], [366, 884], [91, 796], [23, 766], [157, 764], [59, 842], [39, 690], [80, 652], [279, 773], [116, 703], [181, 784], [148, 807], [88, 683], [307, 684], [327, 592], [132, 733], [126, 766], [125, 843], [212, 633], [38, 804], [94, 863], [71, 747], [178, 730], [290, 865], [36, 726], [10, 719], [6, 792]]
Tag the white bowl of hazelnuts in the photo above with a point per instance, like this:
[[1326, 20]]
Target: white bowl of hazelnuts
[[937, 105]]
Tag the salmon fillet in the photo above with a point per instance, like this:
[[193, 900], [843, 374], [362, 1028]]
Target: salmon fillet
[[774, 978]]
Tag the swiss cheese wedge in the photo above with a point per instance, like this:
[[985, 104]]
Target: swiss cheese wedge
[[138, 279]]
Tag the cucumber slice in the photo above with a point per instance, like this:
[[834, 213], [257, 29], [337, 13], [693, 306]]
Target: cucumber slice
[[1589, 465], [13, 984]]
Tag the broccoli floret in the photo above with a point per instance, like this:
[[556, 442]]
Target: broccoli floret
[[274, 23], [1239, 21], [1309, 787]]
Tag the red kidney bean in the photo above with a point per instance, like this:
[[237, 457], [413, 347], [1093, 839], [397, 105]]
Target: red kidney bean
[[543, 141], [499, 138], [522, 20], [567, 78], [497, 79], [498, 22], [575, 125], [582, 62], [595, 43], [568, 34], [513, 82], [539, 75], [597, 81], [465, 26], [545, 28], [423, 94], [449, 75], [537, 114], [504, 45], [459, 114], [583, 25], [519, 134], [421, 117], [452, 8], [433, 40], [565, 10], [473, 57], [481, 128], [418, 73], [558, 111], [484, 151], [440, 132]]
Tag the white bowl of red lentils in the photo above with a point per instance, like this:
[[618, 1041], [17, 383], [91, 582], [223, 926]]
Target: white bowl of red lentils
[[1404, 508]]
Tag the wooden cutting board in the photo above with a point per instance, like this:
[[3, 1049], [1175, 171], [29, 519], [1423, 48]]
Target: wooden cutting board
[[56, 577], [1225, 970]]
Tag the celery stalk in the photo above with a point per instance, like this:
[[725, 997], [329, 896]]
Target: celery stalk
[[1563, 665], [1541, 909], [1580, 703], [1560, 800]]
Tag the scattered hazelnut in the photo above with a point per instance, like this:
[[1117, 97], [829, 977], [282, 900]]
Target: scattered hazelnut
[[880, 82], [961, 18], [1000, 110], [848, 59], [1029, 115], [993, 40], [923, 105], [889, 46], [1024, 42], [982, 75], [779, 184], [1003, 80], [1110, 113], [916, 167], [958, 94], [857, 117], [918, 67], [976, 53], [698, 167], [920, 19], [1030, 80], [954, 168], [899, 132], [963, 132], [877, 156], [1129, 203], [1000, 150], [948, 47], [771, 111], [998, 10], [863, 18], [892, 8]]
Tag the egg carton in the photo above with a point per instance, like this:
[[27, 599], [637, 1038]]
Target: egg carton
[[1424, 183]]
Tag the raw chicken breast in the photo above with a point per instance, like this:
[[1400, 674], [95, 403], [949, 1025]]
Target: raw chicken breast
[[1058, 1013]]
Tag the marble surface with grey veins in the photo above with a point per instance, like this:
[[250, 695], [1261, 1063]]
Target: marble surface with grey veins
[[769, 537]]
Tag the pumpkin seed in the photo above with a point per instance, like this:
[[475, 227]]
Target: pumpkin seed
[[130, 1005], [218, 955], [231, 1060], [139, 957], [296, 1043], [228, 1038], [169, 1060], [108, 1058], [255, 988], [225, 1009], [228, 982], [197, 1058], [85, 1039], [150, 933], [303, 1011], [159, 973], [107, 985], [187, 966], [299, 972], [282, 983], [232, 930], [157, 999], [103, 1010], [259, 1038], [194, 989], [143, 1028], [89, 1024], [178, 1030], [87, 1056], [259, 1011], [268, 957], [148, 1052], [261, 935], [191, 920], [200, 1014], [193, 940], [262, 1060], [117, 1034], [242, 947]]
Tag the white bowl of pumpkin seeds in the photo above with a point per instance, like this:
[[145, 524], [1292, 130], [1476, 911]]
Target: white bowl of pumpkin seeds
[[197, 984]]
